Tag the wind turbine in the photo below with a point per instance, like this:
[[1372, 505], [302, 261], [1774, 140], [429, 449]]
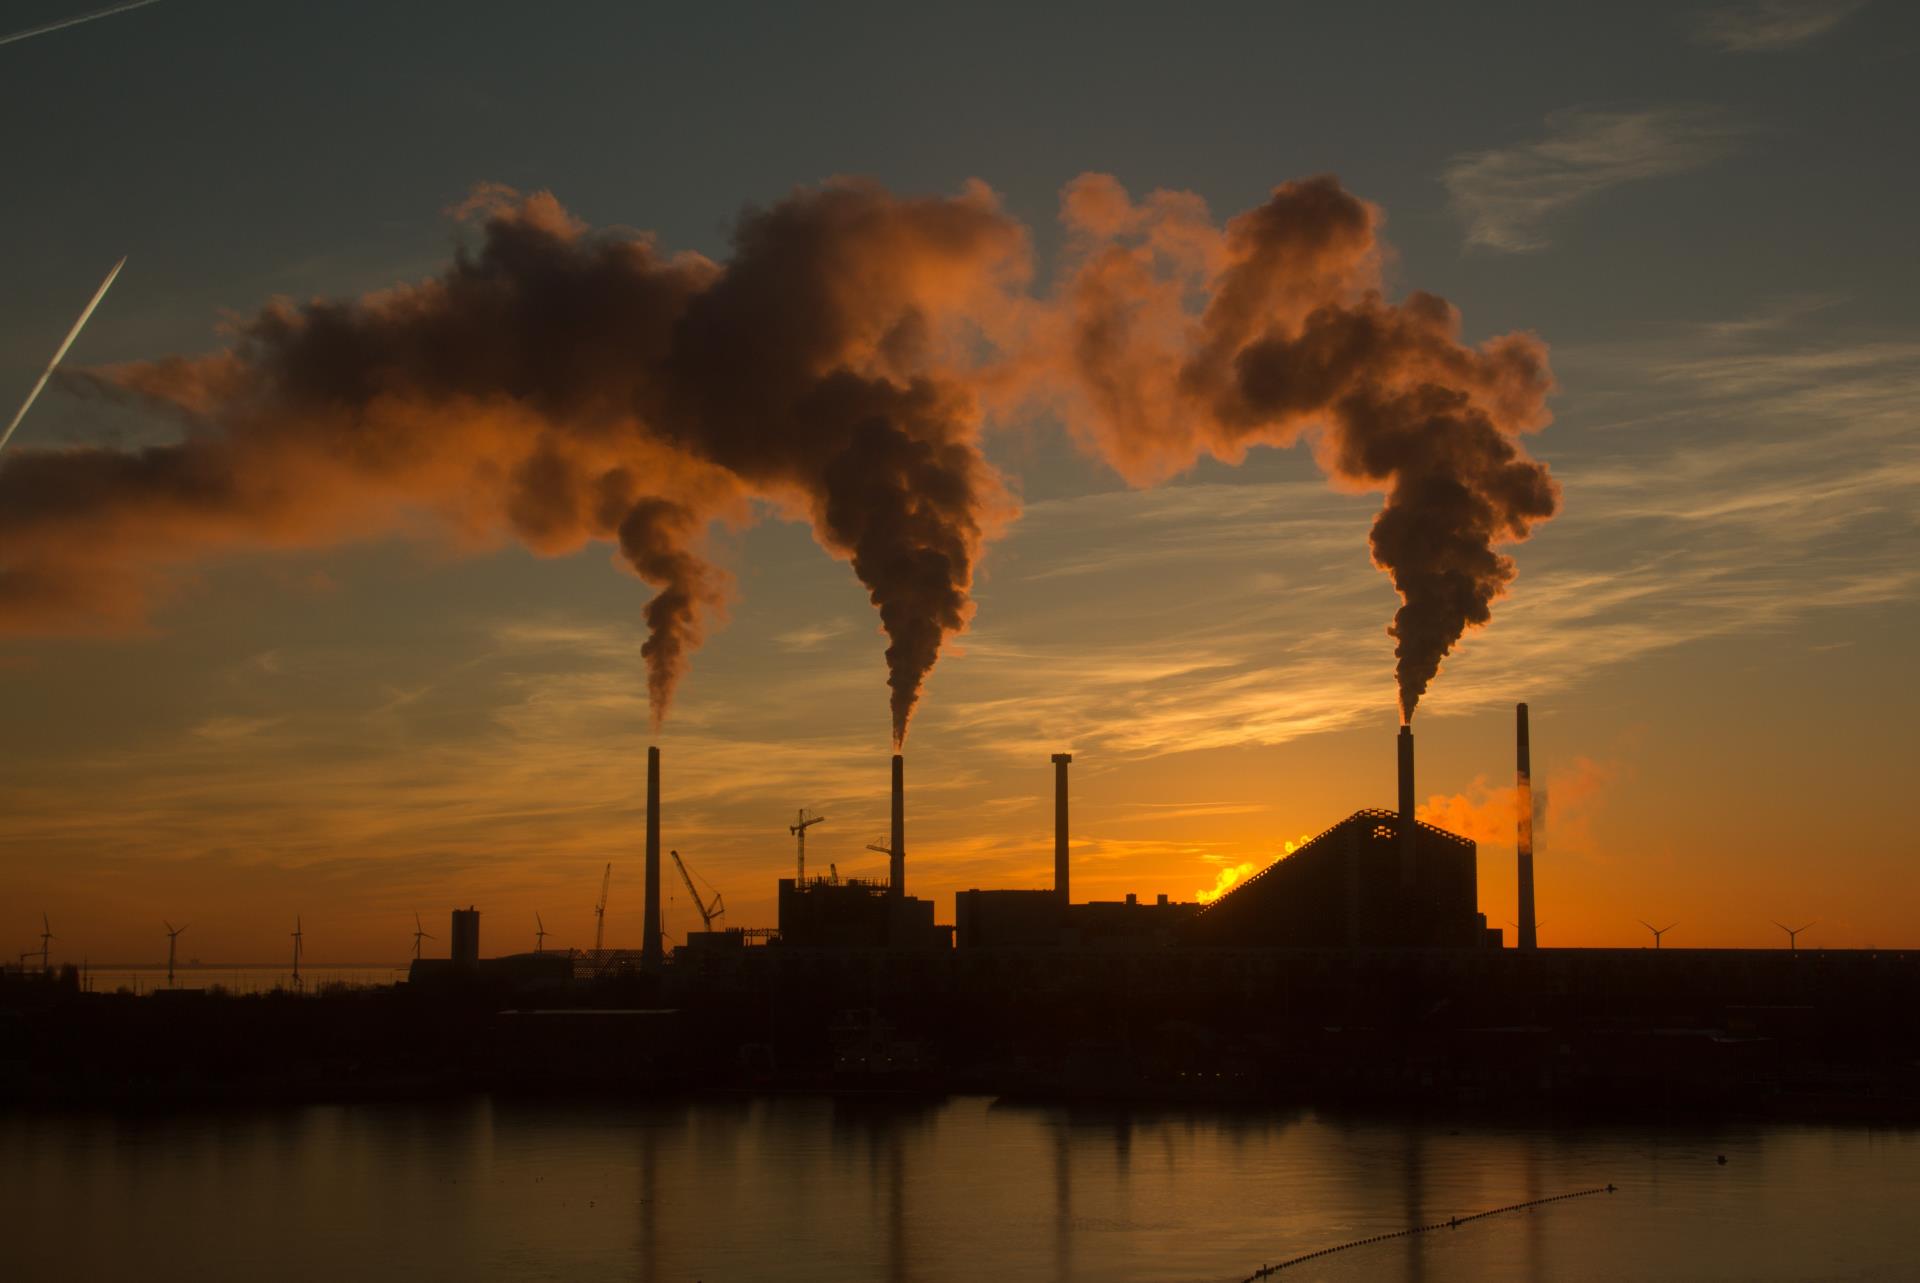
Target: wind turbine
[[173, 935], [1657, 931], [296, 953], [46, 937], [600, 912], [1793, 934], [419, 934], [539, 933]]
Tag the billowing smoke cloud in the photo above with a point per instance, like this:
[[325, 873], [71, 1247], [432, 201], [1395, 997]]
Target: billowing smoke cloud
[[557, 386], [1184, 339]]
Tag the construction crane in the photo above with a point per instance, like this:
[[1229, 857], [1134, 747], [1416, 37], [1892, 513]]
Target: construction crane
[[419, 934], [799, 828], [600, 911], [707, 911]]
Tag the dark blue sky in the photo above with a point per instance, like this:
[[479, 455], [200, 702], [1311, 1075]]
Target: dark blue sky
[[239, 149]]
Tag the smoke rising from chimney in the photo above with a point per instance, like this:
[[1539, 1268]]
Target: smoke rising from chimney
[[558, 385], [1295, 338]]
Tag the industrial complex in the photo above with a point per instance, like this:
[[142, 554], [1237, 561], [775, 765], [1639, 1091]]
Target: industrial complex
[[1377, 879], [1358, 967]]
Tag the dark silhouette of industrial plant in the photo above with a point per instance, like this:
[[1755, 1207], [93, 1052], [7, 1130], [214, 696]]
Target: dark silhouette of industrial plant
[[1358, 966]]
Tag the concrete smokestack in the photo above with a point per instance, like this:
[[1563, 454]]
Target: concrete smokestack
[[897, 841], [1060, 888], [1406, 807], [1524, 805], [650, 922]]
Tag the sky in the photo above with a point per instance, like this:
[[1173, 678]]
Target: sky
[[1705, 212]]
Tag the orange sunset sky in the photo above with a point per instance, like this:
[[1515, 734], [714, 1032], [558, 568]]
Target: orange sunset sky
[[401, 713]]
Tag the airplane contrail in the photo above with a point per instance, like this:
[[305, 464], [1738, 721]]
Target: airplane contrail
[[65, 343], [75, 21]]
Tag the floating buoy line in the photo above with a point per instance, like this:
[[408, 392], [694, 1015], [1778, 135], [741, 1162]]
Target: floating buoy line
[[1451, 1223]]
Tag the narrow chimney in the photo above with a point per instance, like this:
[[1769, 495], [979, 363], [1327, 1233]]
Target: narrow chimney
[[1060, 888], [897, 842], [650, 922], [1406, 807], [1524, 804]]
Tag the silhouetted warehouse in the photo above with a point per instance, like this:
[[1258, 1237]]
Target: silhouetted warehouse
[[1128, 921], [1346, 887], [1034, 919], [1006, 919], [856, 913]]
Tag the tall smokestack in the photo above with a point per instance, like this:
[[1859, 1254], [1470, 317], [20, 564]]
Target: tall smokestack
[[1524, 804], [897, 842], [1060, 889], [1406, 806], [650, 922]]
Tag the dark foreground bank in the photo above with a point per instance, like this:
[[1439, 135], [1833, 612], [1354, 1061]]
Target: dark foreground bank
[[1809, 1035]]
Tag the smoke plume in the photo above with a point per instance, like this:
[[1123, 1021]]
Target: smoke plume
[[557, 386], [1490, 814], [1183, 339]]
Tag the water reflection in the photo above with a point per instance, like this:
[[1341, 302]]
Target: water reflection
[[1062, 1202], [819, 1189]]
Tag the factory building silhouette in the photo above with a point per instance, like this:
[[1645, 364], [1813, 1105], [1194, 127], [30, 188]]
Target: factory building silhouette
[[1357, 968], [1377, 879]]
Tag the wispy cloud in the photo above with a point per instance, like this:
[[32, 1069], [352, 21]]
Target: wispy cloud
[[229, 729], [1506, 195], [1762, 26], [812, 636]]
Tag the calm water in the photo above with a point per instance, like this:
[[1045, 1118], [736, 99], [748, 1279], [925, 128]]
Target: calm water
[[818, 1189]]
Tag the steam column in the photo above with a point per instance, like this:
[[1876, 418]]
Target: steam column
[[650, 921], [897, 840], [1406, 808], [1524, 789], [1060, 761]]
